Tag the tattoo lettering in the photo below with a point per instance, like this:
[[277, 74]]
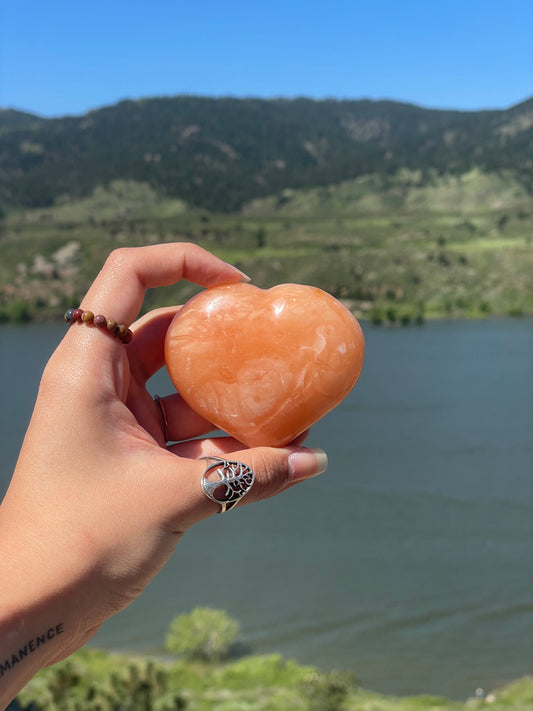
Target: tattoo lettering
[[31, 646]]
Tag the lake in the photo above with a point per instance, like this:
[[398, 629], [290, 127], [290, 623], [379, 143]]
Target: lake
[[410, 562]]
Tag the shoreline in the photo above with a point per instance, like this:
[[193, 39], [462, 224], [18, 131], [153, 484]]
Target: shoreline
[[54, 318]]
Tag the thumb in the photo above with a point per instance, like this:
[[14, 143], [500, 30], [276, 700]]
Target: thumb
[[274, 471], [279, 469]]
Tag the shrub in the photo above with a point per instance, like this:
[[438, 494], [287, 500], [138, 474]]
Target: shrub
[[17, 311], [515, 311], [203, 634], [86, 683], [327, 692], [376, 316], [391, 314], [254, 672]]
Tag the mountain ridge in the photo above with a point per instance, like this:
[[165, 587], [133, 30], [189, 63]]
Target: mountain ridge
[[14, 110], [219, 153]]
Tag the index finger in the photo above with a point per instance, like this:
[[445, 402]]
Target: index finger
[[118, 290]]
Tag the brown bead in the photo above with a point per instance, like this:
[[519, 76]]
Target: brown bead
[[121, 330]]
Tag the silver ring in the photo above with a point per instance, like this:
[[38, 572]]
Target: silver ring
[[164, 421], [234, 478]]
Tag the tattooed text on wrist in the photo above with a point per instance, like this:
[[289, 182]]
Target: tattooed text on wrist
[[31, 646]]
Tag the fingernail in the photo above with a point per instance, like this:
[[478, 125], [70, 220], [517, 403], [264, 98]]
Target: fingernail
[[244, 277], [307, 464]]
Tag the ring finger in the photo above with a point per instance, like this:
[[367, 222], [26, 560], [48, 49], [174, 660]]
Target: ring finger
[[179, 421]]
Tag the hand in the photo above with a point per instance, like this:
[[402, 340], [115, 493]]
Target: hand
[[98, 502]]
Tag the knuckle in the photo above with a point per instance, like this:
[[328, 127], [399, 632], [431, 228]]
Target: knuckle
[[118, 259], [270, 475]]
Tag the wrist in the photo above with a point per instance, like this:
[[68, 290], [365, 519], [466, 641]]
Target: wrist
[[39, 620], [29, 641]]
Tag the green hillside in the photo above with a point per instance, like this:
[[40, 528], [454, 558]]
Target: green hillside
[[408, 191], [396, 250]]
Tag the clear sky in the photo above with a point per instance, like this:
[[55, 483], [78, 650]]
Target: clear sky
[[65, 57]]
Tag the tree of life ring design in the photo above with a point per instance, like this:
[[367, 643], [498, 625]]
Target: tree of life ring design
[[226, 482]]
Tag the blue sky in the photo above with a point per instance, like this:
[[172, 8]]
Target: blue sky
[[68, 56]]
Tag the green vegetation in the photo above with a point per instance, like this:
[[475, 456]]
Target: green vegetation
[[414, 190], [93, 680], [204, 634], [396, 252]]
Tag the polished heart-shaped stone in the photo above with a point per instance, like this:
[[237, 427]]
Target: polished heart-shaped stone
[[264, 365]]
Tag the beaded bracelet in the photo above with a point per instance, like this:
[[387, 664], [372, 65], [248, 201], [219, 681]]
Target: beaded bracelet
[[81, 316]]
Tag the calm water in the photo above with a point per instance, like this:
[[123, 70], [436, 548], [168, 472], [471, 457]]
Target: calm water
[[410, 561]]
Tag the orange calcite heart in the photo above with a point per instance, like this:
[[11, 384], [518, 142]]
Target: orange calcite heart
[[264, 365]]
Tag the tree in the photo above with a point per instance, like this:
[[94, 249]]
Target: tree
[[260, 237], [204, 634]]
